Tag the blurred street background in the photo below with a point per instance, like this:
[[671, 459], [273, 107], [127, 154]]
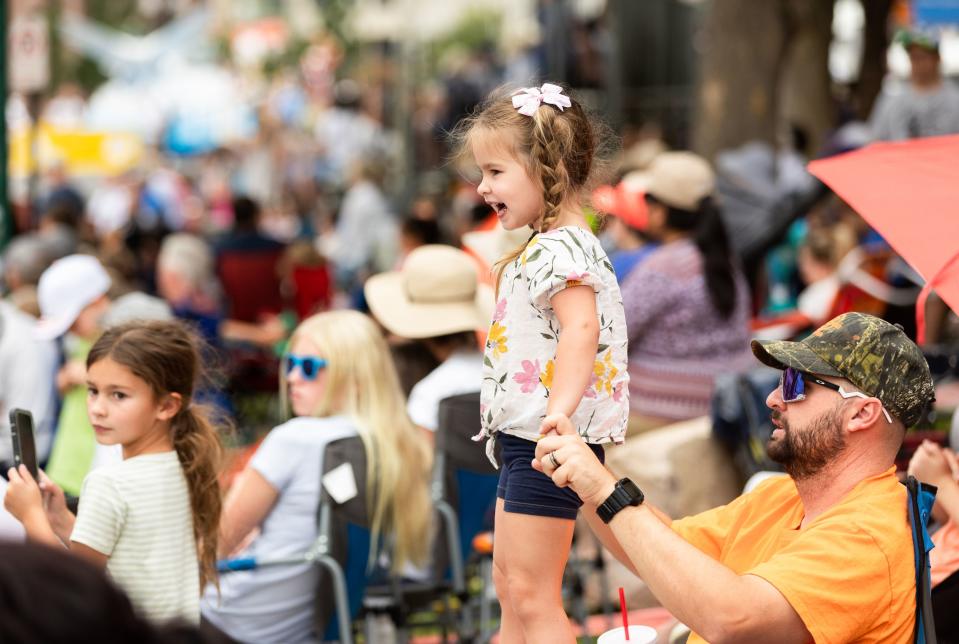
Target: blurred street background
[[280, 152]]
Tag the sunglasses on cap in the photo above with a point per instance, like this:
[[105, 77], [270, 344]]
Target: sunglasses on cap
[[309, 365], [792, 388]]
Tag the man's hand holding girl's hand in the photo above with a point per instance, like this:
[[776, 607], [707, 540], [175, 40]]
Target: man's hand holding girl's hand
[[575, 464]]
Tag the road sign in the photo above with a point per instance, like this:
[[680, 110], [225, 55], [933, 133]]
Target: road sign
[[29, 54]]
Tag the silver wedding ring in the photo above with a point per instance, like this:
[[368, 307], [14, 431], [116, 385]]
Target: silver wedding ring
[[552, 459]]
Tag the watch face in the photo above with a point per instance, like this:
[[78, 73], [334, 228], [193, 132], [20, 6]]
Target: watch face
[[631, 488]]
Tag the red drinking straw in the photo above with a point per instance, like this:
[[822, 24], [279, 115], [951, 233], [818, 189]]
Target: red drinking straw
[[622, 607]]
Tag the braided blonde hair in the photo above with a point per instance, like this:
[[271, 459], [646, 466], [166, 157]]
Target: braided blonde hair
[[559, 150]]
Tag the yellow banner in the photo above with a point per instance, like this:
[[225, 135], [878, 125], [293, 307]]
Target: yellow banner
[[82, 152]]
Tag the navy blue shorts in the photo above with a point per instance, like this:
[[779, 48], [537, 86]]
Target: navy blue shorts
[[527, 491]]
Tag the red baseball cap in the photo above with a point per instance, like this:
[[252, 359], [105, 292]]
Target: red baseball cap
[[626, 200]]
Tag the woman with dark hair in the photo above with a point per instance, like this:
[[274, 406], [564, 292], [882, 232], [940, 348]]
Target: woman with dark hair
[[687, 305]]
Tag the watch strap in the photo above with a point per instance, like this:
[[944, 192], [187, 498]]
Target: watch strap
[[625, 494]]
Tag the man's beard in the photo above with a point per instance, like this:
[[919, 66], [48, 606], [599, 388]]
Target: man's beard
[[805, 453]]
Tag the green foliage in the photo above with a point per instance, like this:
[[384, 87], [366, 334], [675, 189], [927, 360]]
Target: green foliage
[[479, 29]]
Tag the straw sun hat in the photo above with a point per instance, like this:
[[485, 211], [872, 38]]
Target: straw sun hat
[[435, 293]]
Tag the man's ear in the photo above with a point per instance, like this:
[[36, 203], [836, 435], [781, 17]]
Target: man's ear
[[170, 406], [868, 412]]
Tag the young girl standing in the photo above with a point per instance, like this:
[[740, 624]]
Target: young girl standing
[[557, 343], [152, 517]]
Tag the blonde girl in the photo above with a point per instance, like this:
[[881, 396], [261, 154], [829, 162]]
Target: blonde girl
[[339, 381], [557, 343], [150, 520]]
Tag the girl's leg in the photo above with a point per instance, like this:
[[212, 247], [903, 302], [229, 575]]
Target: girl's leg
[[532, 556], [510, 629]]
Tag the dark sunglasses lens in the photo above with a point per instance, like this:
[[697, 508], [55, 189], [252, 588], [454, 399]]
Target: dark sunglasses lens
[[290, 364], [309, 367], [793, 385]]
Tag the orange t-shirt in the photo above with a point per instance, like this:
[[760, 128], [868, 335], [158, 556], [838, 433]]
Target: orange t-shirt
[[849, 574]]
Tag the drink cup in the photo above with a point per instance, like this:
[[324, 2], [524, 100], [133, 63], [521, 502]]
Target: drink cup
[[638, 634]]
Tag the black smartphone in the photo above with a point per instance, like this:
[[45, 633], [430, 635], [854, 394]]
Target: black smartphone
[[24, 448]]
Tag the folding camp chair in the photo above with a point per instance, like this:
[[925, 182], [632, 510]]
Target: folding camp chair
[[463, 492], [920, 499], [341, 548]]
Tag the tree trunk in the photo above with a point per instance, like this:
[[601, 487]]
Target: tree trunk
[[740, 65], [806, 87], [873, 67]]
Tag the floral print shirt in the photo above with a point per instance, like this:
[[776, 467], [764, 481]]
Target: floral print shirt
[[521, 345]]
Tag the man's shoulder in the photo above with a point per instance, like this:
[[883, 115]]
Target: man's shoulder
[[950, 90], [877, 506]]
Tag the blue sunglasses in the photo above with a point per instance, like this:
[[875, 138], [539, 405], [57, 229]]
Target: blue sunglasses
[[792, 388], [309, 365]]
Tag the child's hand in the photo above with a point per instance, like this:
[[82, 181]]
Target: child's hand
[[54, 502], [556, 425], [930, 464], [566, 458], [953, 462], [23, 495]]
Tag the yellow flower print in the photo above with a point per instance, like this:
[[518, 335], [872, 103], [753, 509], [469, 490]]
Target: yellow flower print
[[531, 243], [546, 376], [604, 373], [496, 339]]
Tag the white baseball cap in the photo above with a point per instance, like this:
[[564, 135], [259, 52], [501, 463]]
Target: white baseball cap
[[65, 288]]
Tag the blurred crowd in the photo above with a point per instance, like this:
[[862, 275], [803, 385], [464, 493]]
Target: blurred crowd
[[247, 242]]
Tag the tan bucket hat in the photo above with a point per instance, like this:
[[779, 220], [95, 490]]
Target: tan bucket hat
[[435, 293]]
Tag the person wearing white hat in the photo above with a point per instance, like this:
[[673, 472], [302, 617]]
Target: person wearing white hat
[[436, 298], [687, 303], [73, 298], [75, 305]]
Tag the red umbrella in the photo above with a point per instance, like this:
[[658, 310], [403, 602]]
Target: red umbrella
[[909, 192]]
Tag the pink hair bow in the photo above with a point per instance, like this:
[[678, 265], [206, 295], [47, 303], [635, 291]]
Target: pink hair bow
[[528, 100]]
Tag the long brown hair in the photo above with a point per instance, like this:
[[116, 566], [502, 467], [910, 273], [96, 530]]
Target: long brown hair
[[564, 151], [167, 357]]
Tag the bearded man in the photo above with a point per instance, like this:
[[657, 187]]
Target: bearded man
[[824, 554]]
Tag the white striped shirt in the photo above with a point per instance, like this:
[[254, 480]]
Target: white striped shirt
[[138, 514]]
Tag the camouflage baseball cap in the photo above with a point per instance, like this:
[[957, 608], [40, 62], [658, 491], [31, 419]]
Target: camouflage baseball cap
[[872, 354]]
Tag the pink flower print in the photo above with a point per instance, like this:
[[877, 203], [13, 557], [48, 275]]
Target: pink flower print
[[576, 277], [618, 391], [591, 387], [500, 311], [528, 378]]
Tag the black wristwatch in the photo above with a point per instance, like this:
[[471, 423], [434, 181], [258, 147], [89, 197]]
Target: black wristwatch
[[625, 493]]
